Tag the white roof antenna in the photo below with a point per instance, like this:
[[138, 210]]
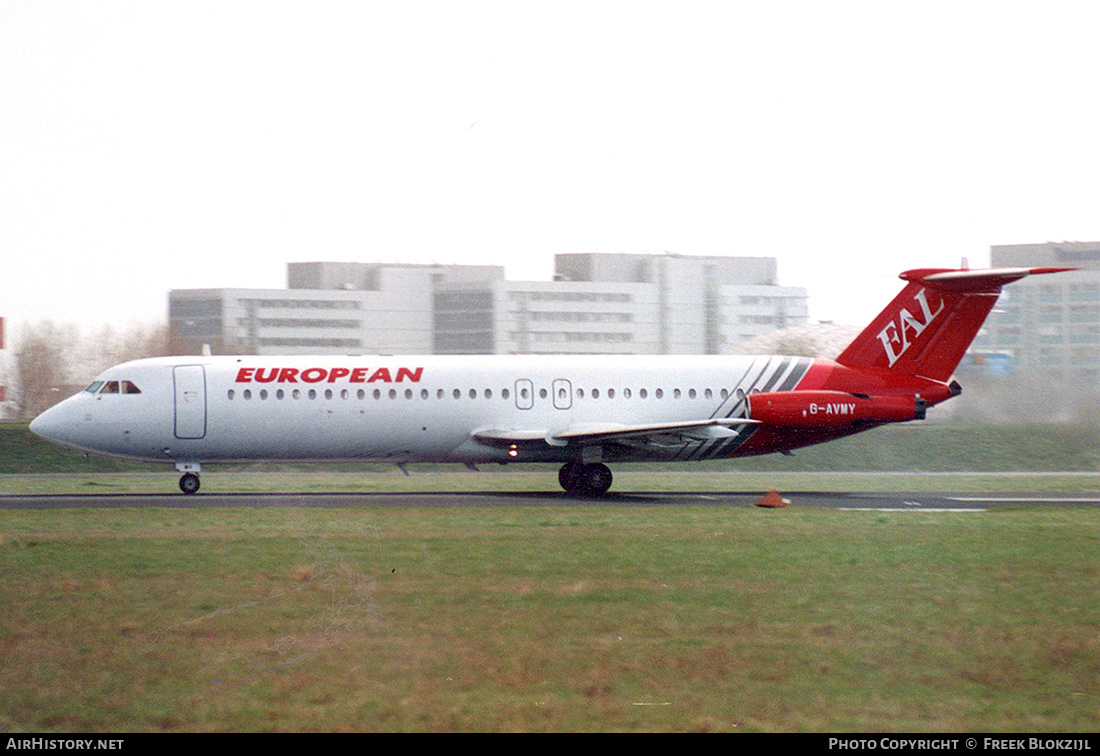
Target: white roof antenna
[[965, 264], [205, 350]]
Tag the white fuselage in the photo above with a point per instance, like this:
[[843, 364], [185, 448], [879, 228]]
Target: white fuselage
[[405, 408]]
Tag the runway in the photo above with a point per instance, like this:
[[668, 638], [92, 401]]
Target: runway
[[851, 502]]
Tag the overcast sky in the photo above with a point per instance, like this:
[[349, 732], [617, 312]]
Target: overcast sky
[[148, 145]]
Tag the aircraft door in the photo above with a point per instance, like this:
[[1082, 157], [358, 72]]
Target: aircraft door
[[525, 394], [563, 394], [190, 383]]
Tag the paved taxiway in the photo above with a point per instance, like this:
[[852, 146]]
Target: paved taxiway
[[899, 502]]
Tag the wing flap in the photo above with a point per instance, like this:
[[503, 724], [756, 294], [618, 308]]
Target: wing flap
[[713, 428]]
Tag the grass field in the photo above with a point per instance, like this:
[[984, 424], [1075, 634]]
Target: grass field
[[915, 447], [959, 458], [543, 478], [577, 617], [571, 618]]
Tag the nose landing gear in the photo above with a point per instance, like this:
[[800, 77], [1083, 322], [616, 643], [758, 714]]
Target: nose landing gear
[[189, 483], [587, 480]]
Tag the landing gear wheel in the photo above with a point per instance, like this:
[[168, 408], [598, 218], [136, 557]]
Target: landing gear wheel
[[597, 479], [578, 478], [189, 483], [570, 476]]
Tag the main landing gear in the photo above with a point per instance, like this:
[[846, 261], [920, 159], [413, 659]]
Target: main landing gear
[[588, 480]]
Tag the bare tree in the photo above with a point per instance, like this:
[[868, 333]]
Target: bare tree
[[109, 347], [814, 340], [44, 366], [1026, 395], [54, 361], [180, 344]]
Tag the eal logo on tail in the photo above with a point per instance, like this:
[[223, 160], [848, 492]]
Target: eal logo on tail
[[897, 337]]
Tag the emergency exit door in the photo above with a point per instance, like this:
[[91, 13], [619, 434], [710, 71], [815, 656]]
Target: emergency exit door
[[190, 386]]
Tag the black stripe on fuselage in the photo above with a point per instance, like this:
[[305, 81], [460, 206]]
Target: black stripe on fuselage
[[784, 376]]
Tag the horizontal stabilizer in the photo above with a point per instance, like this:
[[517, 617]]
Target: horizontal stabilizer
[[973, 280]]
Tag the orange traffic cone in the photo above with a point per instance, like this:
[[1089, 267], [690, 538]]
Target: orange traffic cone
[[772, 499]]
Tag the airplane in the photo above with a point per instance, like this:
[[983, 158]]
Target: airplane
[[582, 412]]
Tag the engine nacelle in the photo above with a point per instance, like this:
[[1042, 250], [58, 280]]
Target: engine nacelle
[[832, 409]]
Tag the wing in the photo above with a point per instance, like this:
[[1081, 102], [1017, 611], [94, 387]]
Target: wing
[[698, 430]]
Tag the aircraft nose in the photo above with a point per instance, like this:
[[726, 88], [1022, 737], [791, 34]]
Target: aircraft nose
[[43, 426], [51, 424]]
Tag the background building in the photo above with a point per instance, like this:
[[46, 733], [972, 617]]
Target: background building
[[1046, 324], [341, 308], [646, 304], [596, 304]]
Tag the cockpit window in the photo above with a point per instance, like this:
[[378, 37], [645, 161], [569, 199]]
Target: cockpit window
[[114, 387], [94, 387]]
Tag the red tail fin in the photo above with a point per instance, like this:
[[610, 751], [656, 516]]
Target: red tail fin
[[929, 326]]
